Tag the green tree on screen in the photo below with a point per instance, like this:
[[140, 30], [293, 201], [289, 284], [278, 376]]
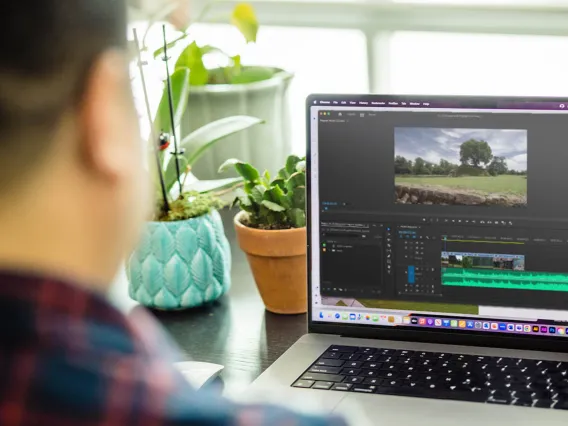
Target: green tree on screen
[[475, 153]]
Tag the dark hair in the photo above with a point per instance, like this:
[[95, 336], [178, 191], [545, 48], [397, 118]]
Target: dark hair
[[47, 48]]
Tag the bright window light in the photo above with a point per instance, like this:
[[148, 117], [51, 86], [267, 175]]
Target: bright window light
[[477, 64], [323, 61]]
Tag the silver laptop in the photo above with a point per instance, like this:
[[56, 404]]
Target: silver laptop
[[437, 261]]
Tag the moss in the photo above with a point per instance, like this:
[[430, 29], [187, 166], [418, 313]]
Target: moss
[[191, 205]]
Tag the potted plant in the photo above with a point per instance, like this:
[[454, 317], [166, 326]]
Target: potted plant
[[184, 258], [222, 86], [271, 230]]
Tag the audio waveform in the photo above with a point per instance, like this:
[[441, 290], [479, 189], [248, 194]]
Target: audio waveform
[[519, 280]]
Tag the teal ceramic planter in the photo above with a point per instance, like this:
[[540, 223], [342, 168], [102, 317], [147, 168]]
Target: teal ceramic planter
[[180, 265]]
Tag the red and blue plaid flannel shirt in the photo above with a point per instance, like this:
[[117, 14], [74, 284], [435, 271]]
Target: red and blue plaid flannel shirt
[[68, 358]]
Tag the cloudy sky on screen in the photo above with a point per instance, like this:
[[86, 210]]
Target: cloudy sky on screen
[[434, 144]]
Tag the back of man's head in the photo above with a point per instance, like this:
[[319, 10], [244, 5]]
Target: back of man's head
[[47, 48], [69, 139]]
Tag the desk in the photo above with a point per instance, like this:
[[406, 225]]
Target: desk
[[236, 331]]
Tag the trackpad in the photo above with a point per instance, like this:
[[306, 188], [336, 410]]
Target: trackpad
[[381, 410]]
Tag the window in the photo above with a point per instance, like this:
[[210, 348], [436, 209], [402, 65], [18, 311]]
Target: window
[[322, 60], [476, 64]]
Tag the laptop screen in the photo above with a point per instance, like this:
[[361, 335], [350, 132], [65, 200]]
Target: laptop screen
[[440, 213]]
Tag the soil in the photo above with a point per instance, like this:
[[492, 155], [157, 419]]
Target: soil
[[264, 227]]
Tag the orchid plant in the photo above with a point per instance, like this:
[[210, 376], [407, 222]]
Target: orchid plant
[[181, 195]]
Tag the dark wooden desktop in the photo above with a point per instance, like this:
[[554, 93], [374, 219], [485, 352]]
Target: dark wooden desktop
[[237, 331]]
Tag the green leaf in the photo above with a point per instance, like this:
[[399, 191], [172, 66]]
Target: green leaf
[[273, 206], [299, 197], [237, 64], [249, 186], [280, 183], [301, 166], [248, 172], [291, 163], [257, 194], [297, 218], [180, 92], [283, 174], [266, 176], [252, 75], [244, 18], [275, 194], [296, 180], [243, 198], [207, 49], [198, 142], [192, 58], [170, 45]]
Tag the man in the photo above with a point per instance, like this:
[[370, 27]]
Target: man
[[73, 197]]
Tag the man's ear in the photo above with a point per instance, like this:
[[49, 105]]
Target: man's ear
[[102, 118]]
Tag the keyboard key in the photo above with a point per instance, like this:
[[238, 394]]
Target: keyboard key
[[354, 364], [350, 371], [372, 381], [351, 357], [543, 404], [347, 349], [523, 402], [323, 377], [388, 374], [331, 355], [354, 380], [369, 358], [330, 363], [325, 370], [372, 365], [323, 385], [561, 405], [364, 388], [342, 387], [500, 397], [543, 395], [370, 373], [367, 351], [390, 367], [303, 384], [524, 395], [392, 383]]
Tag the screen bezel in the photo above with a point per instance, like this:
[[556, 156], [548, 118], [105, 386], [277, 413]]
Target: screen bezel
[[442, 336]]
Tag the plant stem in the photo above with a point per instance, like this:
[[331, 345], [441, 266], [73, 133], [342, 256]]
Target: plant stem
[[187, 172], [154, 139], [229, 190], [171, 102]]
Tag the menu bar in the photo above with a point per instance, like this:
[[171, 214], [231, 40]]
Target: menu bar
[[437, 102]]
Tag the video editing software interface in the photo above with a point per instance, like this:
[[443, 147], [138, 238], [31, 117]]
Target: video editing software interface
[[430, 211]]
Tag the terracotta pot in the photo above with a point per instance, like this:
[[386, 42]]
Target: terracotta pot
[[279, 265]]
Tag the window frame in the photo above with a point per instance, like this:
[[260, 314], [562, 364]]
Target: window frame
[[378, 19]]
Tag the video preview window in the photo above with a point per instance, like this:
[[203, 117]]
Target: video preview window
[[467, 167]]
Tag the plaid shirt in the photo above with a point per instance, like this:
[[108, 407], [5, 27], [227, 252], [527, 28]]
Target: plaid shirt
[[68, 358]]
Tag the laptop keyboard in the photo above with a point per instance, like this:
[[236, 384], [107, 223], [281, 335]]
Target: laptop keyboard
[[508, 381]]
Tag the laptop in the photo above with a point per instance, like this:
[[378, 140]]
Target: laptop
[[437, 261]]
